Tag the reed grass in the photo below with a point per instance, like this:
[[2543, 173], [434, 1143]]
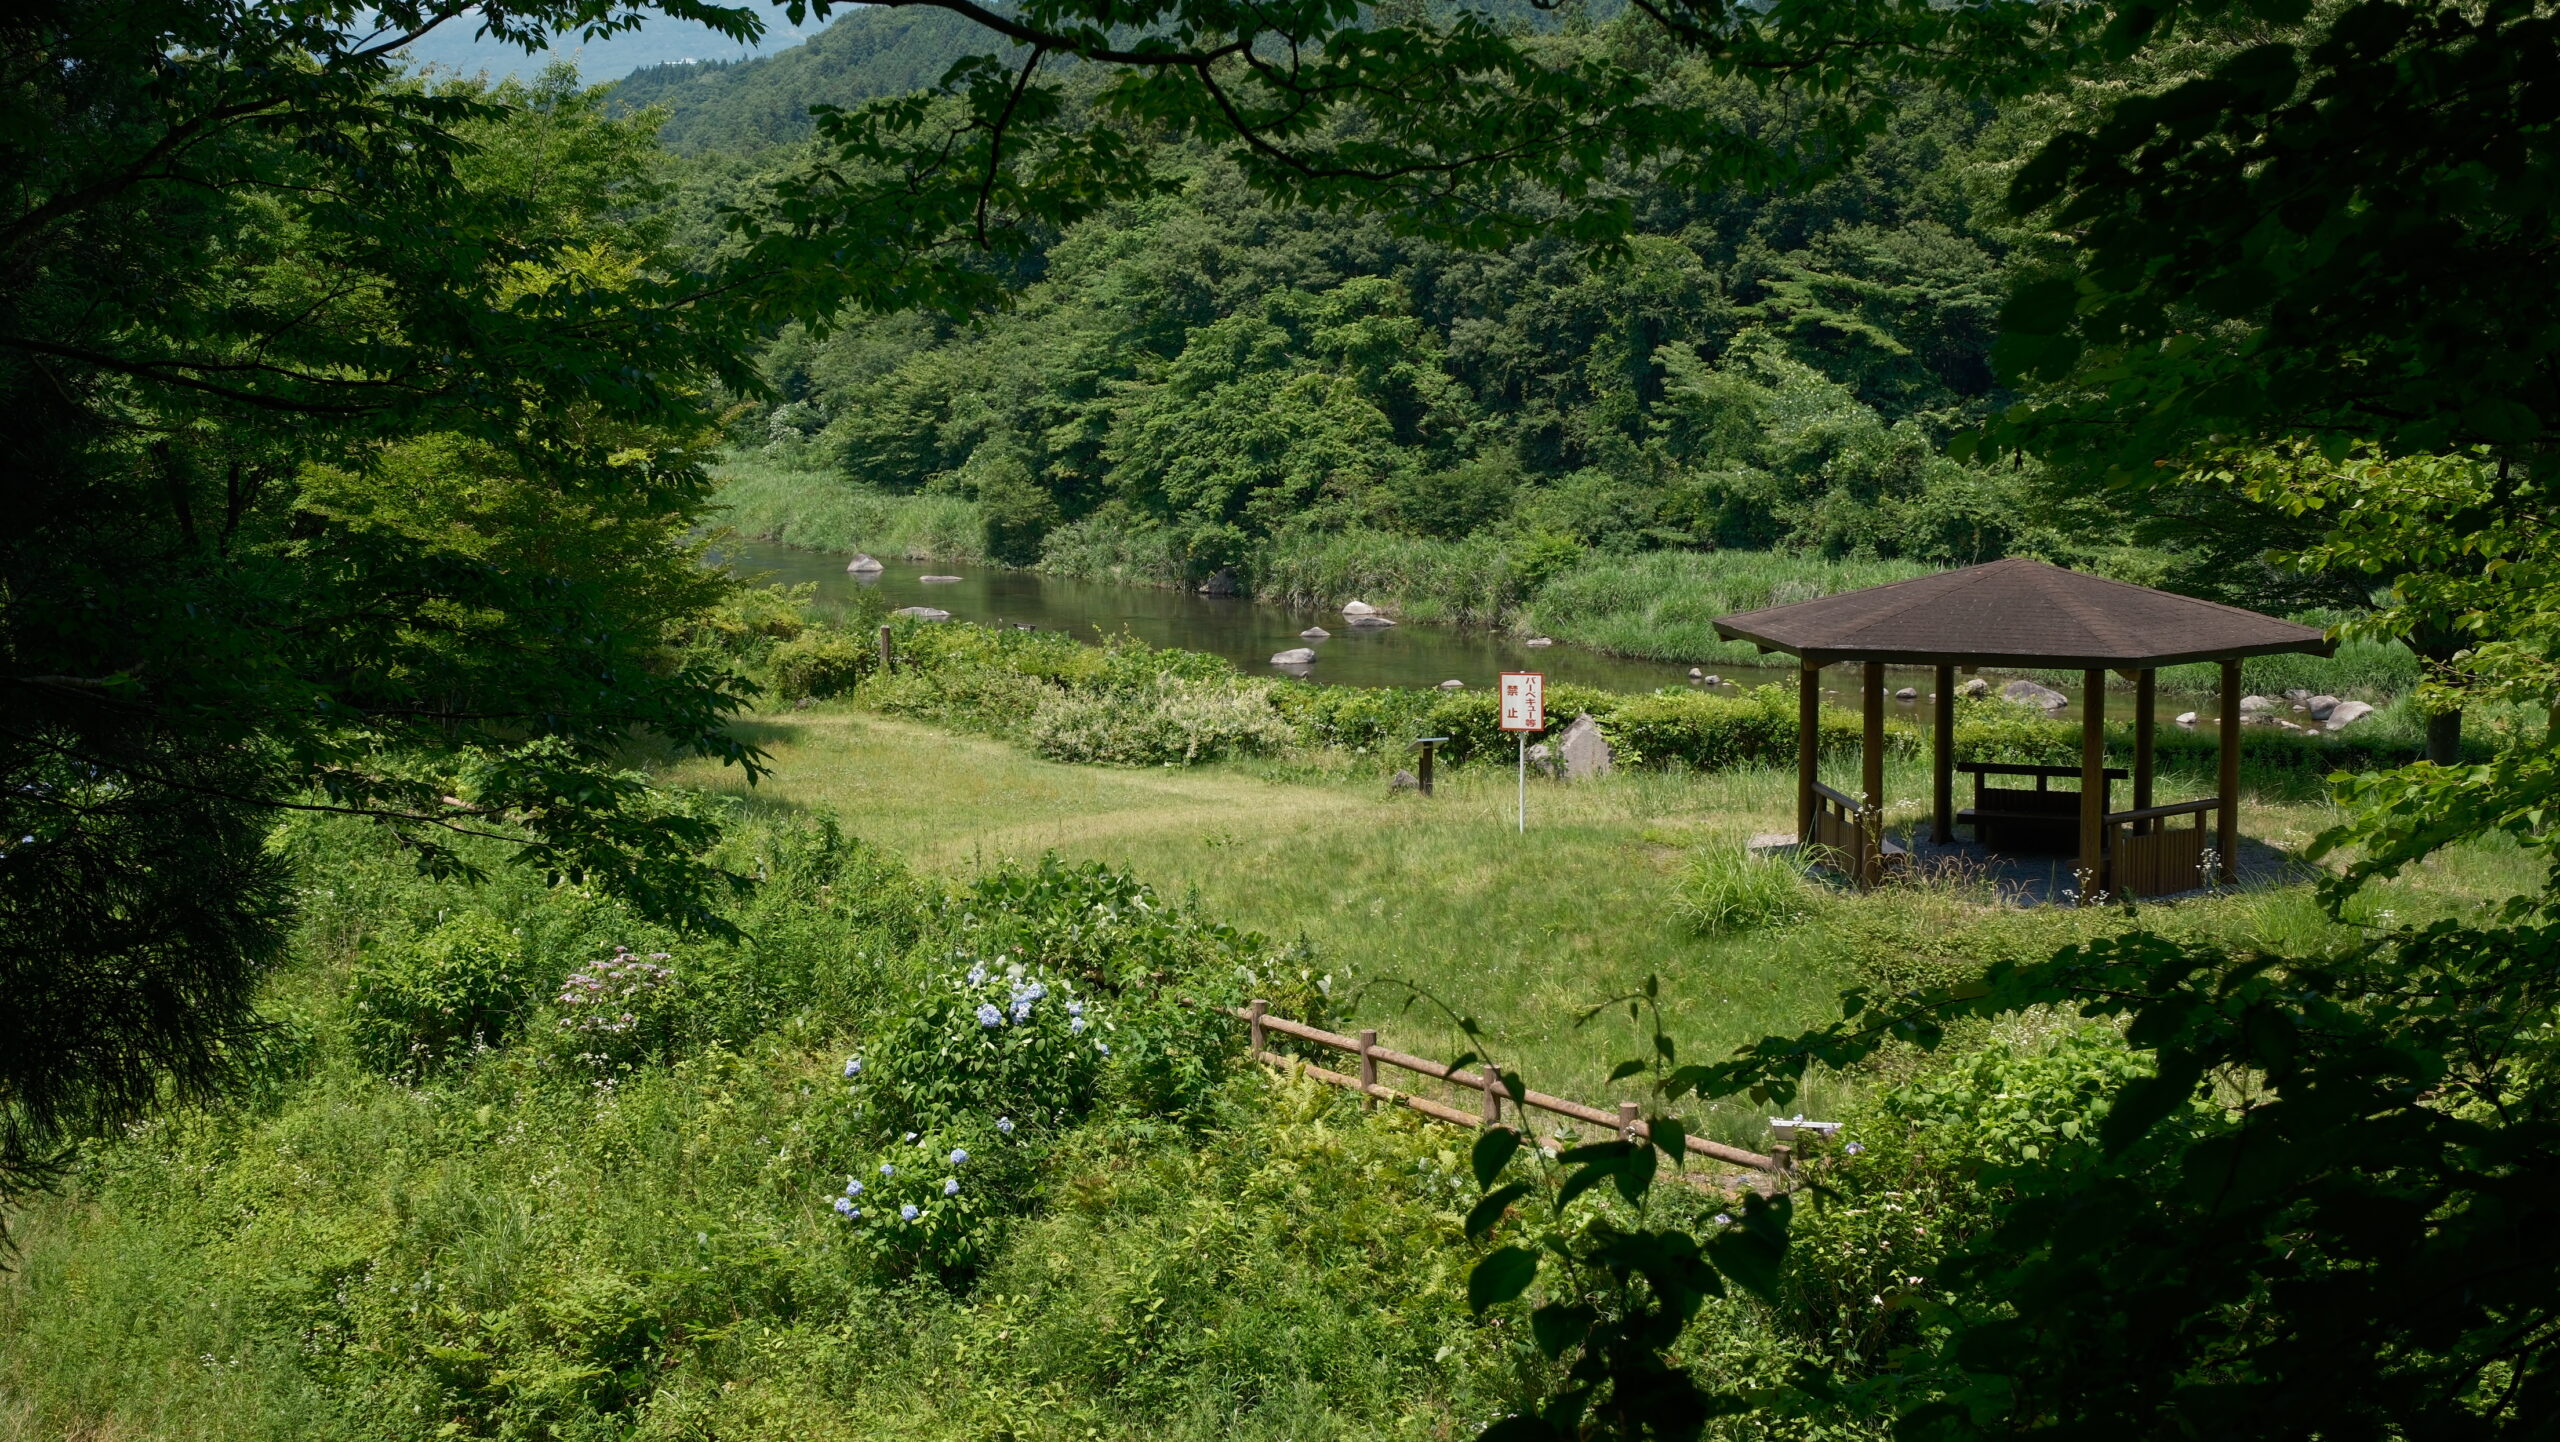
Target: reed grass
[[786, 501]]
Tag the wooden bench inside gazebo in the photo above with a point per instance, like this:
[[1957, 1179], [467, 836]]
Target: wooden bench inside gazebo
[[2025, 615]]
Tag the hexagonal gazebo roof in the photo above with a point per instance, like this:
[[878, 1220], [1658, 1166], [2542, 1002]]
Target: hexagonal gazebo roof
[[2018, 613]]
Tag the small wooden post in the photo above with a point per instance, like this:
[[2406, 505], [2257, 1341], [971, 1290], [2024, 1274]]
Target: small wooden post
[[2093, 784], [1492, 1092], [1808, 745], [1253, 1011], [1871, 803], [1942, 760], [1627, 1121], [1430, 746], [2227, 816], [888, 651], [2145, 695], [1368, 1068]]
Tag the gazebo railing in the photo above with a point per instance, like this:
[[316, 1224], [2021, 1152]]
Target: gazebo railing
[[1846, 827], [2147, 857]]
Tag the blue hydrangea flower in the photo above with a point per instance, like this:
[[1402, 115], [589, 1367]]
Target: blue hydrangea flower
[[907, 1213], [1103, 1047], [1005, 1125], [1076, 1024], [1724, 1219], [887, 1170], [988, 1015], [909, 1137], [978, 974], [951, 1186], [959, 1157], [1075, 1008], [1022, 1011], [853, 1187], [845, 1205], [1853, 1148], [853, 1066]]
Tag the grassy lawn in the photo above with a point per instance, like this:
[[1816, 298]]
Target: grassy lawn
[[1524, 933]]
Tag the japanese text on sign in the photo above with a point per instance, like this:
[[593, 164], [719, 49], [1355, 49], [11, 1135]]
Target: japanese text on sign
[[1524, 701]]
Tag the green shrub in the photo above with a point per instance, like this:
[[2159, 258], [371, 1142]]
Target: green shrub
[[937, 1200], [1358, 719], [1726, 889], [974, 697], [819, 664], [421, 1004], [1170, 721], [619, 1012], [1709, 732]]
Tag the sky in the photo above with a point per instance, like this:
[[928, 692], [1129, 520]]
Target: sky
[[658, 42]]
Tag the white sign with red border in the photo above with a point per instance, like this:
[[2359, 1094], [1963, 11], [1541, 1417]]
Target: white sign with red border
[[1524, 701]]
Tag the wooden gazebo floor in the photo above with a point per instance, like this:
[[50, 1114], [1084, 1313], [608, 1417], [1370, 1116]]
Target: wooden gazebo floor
[[2008, 880]]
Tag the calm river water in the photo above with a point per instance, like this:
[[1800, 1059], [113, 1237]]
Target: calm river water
[[1249, 633]]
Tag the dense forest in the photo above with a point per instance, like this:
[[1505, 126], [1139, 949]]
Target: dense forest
[[471, 965]]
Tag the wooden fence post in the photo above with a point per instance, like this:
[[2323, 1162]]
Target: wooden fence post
[[1368, 1068], [1492, 1093], [1627, 1121], [888, 651], [1253, 1018]]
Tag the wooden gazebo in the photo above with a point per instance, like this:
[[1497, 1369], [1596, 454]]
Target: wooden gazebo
[[2015, 615]]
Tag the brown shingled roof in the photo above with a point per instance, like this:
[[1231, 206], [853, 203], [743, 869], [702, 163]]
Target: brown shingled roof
[[2018, 613]]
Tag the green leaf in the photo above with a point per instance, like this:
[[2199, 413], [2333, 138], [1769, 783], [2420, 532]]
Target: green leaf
[[1558, 1326], [1504, 1274], [1486, 1214], [1494, 1151], [1670, 1136]]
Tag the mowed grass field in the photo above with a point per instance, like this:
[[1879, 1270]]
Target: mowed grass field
[[1396, 892]]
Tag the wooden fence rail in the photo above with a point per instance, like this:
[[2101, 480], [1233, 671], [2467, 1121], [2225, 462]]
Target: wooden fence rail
[[1483, 1081]]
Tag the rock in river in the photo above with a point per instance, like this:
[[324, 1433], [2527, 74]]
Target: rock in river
[[922, 613], [939, 580], [863, 566], [1358, 608], [2346, 711], [1296, 656], [1315, 633], [2028, 693]]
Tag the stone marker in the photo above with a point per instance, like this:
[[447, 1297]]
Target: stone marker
[[939, 580], [1404, 781], [1358, 608], [1539, 641], [1907, 693], [1298, 656], [1369, 622], [1315, 633], [1584, 749], [1542, 759], [2346, 711], [1975, 687], [1453, 684], [2186, 718], [864, 566], [2028, 693], [922, 613], [2321, 706]]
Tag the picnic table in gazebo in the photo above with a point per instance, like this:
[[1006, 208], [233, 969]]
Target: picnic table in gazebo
[[2025, 615]]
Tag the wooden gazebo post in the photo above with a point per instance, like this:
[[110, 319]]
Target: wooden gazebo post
[[1871, 779], [2146, 696], [1808, 745], [2093, 784], [2226, 821], [1942, 760]]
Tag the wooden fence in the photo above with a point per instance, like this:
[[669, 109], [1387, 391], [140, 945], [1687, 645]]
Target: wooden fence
[[1483, 1081]]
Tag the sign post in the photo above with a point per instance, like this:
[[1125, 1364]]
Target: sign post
[[1524, 709]]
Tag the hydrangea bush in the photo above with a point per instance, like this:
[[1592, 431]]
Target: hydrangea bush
[[422, 1003]]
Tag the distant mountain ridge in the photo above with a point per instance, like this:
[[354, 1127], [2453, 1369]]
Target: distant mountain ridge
[[870, 53]]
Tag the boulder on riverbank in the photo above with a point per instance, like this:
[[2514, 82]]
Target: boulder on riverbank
[[1453, 684], [1358, 608], [1222, 582], [863, 566], [1584, 751], [1369, 622], [2347, 711], [1976, 688], [2321, 706], [1296, 656], [2028, 693], [1539, 641], [2259, 705]]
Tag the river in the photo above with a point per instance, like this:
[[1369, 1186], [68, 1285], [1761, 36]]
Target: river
[[1249, 633]]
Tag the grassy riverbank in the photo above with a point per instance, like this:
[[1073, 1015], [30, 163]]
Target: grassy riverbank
[[1658, 605]]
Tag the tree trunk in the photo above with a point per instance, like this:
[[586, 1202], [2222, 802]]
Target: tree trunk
[[2444, 738]]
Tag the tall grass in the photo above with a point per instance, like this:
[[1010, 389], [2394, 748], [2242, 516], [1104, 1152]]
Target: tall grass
[[1110, 548], [1469, 582], [1663, 605], [789, 502]]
